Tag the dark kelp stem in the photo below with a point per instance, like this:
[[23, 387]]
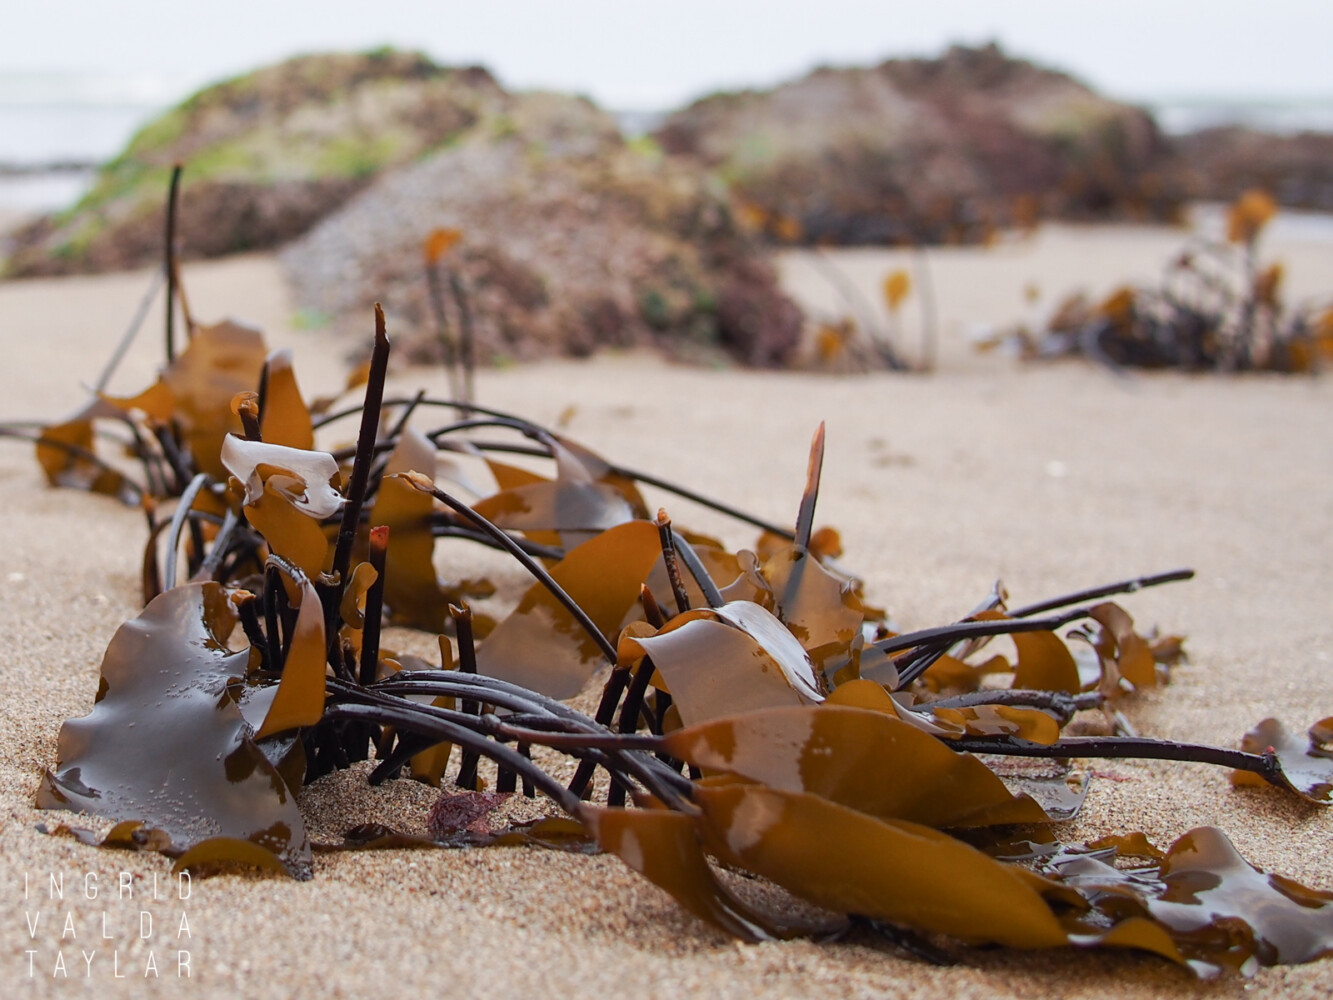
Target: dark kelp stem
[[970, 630], [1265, 765], [618, 470], [1108, 590], [418, 719], [467, 341], [365, 445], [805, 517], [178, 520], [467, 664], [668, 542], [246, 605], [370, 638], [1061, 705], [131, 331], [435, 295], [173, 193]]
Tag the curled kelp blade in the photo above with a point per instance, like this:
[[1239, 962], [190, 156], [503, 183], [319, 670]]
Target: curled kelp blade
[[1121, 644], [727, 660], [166, 743], [540, 645], [1306, 766], [305, 477], [862, 759]]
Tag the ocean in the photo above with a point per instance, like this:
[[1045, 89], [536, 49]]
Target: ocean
[[56, 128]]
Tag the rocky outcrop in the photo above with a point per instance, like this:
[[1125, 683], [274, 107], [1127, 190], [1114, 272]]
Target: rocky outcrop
[[572, 239], [926, 150], [1219, 164], [266, 155]]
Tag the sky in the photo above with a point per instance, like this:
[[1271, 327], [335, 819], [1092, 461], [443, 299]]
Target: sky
[[630, 54]]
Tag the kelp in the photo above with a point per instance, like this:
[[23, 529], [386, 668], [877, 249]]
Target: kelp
[[1216, 309], [756, 712], [168, 743]]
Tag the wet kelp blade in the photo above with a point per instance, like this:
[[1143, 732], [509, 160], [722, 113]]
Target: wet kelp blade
[[299, 697], [865, 760], [848, 862], [1221, 912], [540, 645], [166, 742], [664, 848], [1306, 767]]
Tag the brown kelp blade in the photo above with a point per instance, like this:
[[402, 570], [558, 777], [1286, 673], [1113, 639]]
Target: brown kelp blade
[[1222, 912], [218, 362], [848, 862], [664, 848], [285, 418], [540, 645], [865, 760], [1306, 767], [166, 742], [299, 698]]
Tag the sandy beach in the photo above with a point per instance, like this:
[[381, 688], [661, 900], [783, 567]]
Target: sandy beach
[[1050, 477]]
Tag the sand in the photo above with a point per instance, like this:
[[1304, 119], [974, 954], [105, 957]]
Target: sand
[[1049, 477]]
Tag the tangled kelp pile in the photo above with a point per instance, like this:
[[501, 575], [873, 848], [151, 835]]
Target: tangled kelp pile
[[1217, 309], [804, 741]]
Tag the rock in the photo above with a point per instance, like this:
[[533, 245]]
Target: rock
[[927, 150], [573, 240], [1219, 164], [266, 155]]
